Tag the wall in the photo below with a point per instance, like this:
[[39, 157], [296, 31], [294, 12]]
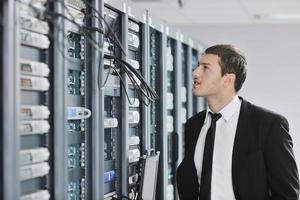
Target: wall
[[273, 55]]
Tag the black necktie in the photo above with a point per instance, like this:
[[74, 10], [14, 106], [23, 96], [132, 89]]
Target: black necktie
[[205, 185]]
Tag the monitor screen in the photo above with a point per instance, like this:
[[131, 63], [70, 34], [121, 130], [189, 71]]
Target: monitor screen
[[149, 177]]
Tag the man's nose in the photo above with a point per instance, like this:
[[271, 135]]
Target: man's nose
[[196, 71]]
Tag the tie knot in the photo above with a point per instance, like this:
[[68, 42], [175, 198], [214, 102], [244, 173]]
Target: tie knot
[[215, 116]]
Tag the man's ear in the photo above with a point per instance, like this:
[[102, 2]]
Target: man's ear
[[229, 79]]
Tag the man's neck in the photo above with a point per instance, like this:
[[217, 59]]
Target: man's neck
[[216, 104]]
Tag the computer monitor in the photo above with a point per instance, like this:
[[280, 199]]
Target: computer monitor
[[149, 177]]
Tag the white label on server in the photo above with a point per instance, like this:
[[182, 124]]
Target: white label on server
[[34, 112], [34, 24], [36, 155], [34, 39], [170, 100], [170, 124], [133, 117], [28, 127], [133, 41], [34, 68], [39, 195], [135, 64], [34, 83], [134, 155], [34, 170], [133, 26], [110, 122], [169, 59], [133, 140]]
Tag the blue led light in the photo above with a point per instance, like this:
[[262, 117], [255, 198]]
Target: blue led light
[[109, 176], [71, 112]]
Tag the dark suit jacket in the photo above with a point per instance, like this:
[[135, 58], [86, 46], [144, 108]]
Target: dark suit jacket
[[263, 163]]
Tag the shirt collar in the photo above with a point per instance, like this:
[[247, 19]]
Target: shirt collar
[[228, 111]]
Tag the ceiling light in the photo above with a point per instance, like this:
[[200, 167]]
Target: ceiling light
[[285, 16]]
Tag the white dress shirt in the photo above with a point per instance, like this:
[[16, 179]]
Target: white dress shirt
[[221, 180]]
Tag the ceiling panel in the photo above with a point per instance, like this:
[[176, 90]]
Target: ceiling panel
[[224, 12]]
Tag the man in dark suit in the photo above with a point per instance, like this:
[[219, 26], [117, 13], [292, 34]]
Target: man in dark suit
[[234, 150]]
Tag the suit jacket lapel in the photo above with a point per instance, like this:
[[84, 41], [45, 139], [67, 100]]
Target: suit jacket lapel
[[195, 129], [241, 143]]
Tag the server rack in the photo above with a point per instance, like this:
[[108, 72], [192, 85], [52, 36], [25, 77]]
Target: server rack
[[78, 143], [158, 75], [113, 105], [172, 66], [35, 111], [184, 81]]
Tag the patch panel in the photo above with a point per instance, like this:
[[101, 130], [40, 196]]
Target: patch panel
[[112, 81], [36, 155], [33, 24], [76, 125], [76, 45], [34, 171], [133, 41], [34, 8], [34, 39], [110, 122], [34, 112], [76, 155], [34, 83], [38, 195], [133, 140], [133, 26], [170, 124], [134, 155], [133, 117], [76, 190], [135, 64], [34, 68], [76, 82], [170, 101], [28, 127]]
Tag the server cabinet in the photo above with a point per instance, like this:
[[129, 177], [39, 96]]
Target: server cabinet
[[158, 113], [112, 82], [128, 63], [78, 87], [35, 112], [183, 85], [171, 65]]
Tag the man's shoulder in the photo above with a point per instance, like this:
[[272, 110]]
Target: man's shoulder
[[261, 113]]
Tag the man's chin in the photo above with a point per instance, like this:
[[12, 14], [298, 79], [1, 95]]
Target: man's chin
[[198, 94]]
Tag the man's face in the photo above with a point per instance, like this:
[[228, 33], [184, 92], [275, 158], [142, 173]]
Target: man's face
[[207, 76]]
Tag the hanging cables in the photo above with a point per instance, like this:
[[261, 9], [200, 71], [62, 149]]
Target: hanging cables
[[138, 81], [140, 86]]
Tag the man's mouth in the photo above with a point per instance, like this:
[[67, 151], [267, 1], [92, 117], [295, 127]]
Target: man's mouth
[[197, 82]]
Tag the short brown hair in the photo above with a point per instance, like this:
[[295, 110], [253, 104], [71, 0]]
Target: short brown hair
[[232, 60]]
